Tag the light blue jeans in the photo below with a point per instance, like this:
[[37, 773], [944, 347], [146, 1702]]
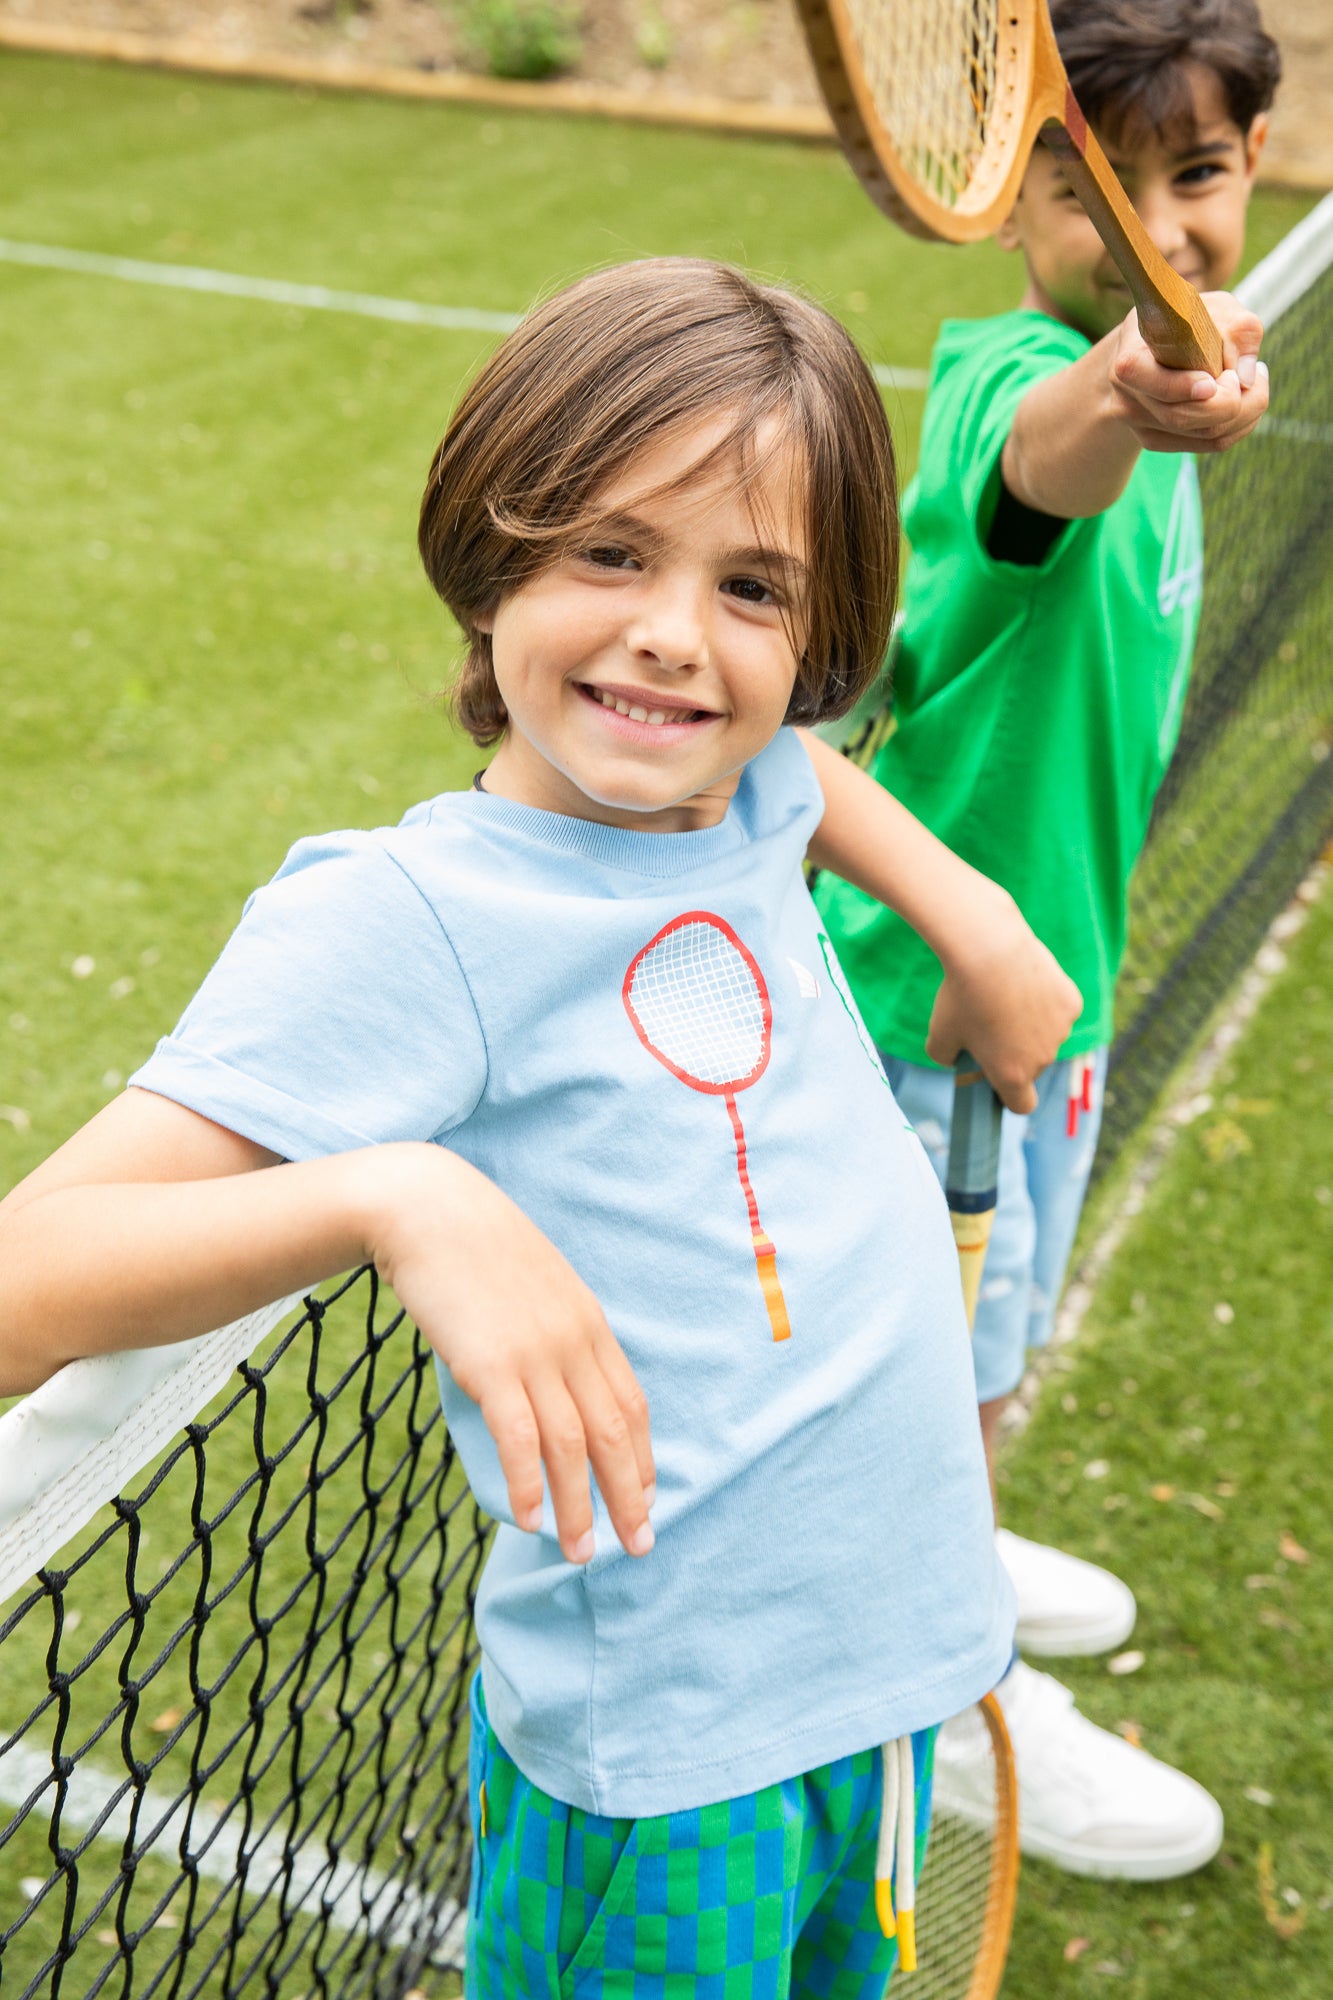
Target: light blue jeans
[[1043, 1179]]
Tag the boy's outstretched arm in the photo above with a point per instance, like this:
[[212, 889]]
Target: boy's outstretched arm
[[1077, 434], [1003, 996], [153, 1224]]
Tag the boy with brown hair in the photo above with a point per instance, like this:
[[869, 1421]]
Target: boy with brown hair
[[1048, 627], [572, 1034]]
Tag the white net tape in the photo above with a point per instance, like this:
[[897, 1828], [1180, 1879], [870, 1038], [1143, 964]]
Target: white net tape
[[75, 1442], [699, 1005]]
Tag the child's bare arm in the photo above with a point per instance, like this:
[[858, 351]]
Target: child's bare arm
[[153, 1224], [1003, 997], [1077, 435]]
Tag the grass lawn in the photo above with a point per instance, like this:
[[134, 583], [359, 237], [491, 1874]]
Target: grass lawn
[[217, 639]]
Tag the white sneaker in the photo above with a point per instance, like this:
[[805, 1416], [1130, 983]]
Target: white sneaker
[[1087, 1800], [1065, 1605]]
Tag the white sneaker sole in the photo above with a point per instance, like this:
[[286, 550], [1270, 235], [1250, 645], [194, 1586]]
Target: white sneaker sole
[[1126, 1866], [1069, 1639]]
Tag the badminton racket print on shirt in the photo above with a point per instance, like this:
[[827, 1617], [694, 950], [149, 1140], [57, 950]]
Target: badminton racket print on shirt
[[698, 1002]]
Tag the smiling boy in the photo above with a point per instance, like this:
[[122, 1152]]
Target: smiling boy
[[1048, 628]]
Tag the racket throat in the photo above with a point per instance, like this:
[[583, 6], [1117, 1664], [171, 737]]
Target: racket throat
[[765, 1256], [971, 1234]]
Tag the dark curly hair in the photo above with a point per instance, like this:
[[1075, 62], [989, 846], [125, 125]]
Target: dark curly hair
[[1126, 61]]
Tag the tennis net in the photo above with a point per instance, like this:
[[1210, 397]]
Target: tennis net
[[233, 1738], [235, 1655], [1247, 803]]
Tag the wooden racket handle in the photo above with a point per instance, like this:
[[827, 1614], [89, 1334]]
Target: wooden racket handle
[[1172, 317]]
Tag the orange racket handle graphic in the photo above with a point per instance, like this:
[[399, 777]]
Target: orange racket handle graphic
[[972, 1180], [765, 1256]]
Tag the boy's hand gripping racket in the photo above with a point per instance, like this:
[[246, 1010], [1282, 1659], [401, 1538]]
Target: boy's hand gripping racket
[[698, 1002], [965, 1898], [938, 104]]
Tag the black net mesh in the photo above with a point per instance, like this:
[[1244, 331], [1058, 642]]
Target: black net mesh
[[234, 1728], [1248, 800]]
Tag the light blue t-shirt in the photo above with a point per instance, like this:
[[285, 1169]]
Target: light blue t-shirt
[[534, 992]]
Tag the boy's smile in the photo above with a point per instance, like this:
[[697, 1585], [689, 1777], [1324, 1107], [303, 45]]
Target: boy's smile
[[1190, 188], [645, 668]]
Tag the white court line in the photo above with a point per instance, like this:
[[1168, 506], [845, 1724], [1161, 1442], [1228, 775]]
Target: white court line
[[313, 298]]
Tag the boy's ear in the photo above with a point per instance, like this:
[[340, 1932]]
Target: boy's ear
[[1254, 143], [1007, 235]]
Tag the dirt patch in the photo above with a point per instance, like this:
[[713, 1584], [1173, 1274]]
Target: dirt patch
[[744, 51]]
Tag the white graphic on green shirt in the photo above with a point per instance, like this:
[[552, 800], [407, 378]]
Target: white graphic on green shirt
[[1179, 587], [1180, 578]]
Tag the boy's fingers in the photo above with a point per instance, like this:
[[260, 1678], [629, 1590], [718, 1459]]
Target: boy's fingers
[[1020, 1097], [610, 1450], [564, 1449], [624, 1384], [509, 1418], [1242, 331]]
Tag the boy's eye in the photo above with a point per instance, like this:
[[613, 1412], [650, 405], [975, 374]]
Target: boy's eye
[[1200, 174], [750, 589], [608, 555]]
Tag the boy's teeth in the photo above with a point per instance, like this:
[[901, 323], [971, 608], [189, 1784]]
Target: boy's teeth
[[636, 713]]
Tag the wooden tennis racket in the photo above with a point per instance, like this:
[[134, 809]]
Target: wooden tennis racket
[[971, 1180], [938, 104], [965, 1898], [969, 1884]]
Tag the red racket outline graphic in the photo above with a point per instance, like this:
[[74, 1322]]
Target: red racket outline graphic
[[726, 1088]]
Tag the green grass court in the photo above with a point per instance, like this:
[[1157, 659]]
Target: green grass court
[[218, 639]]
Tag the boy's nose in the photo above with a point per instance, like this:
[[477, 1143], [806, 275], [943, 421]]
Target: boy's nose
[[1164, 218], [670, 628]]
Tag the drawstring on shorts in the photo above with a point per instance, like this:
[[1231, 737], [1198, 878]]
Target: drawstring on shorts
[[895, 1857]]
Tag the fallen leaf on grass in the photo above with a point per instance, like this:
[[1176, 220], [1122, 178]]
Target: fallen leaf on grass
[[1226, 1489], [1203, 1505], [1261, 1582], [1285, 1926], [1131, 1733], [1075, 1949], [1257, 1796], [13, 1114], [1277, 1620], [162, 1725], [1125, 1663], [1224, 1140], [1162, 1492], [1289, 1547], [32, 1885], [107, 1937]]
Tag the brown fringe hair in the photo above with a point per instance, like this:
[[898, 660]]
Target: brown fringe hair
[[613, 365], [1126, 60]]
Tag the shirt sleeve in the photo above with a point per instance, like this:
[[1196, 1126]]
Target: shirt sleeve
[[337, 1016], [982, 392]]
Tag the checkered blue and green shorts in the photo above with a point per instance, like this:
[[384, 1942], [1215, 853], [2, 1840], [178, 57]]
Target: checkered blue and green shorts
[[757, 1898]]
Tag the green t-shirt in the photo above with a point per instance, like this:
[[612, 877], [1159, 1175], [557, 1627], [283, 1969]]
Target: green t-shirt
[[1036, 706]]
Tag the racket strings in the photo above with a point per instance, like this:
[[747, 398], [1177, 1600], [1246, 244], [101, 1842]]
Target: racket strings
[[932, 72], [699, 1005]]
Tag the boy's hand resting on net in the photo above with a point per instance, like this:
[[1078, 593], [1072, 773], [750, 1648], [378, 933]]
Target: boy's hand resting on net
[[523, 1336], [1178, 409], [1004, 999]]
